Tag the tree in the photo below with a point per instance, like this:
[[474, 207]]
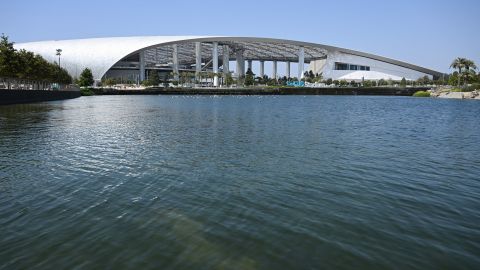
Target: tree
[[458, 63], [153, 78], [469, 64], [469, 73], [109, 81], [423, 80], [310, 77], [25, 65], [310, 74], [318, 77], [403, 82], [229, 79], [86, 78], [453, 79], [63, 76], [8, 58], [367, 83], [249, 78], [469, 76]]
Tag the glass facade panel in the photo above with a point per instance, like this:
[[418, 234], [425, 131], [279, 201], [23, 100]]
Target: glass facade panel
[[341, 66], [345, 66]]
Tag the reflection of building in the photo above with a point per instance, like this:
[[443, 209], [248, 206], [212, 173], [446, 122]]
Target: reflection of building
[[133, 58]]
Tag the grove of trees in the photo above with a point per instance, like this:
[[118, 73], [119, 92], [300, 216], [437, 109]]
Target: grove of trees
[[466, 71], [26, 68]]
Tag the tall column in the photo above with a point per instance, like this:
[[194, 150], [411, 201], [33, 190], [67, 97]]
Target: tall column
[[249, 64], [240, 64], [142, 66], [301, 62], [215, 63], [274, 70], [262, 68], [198, 60], [226, 59], [175, 62], [288, 69]]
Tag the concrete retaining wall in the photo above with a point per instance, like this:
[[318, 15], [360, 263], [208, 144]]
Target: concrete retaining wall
[[27, 96]]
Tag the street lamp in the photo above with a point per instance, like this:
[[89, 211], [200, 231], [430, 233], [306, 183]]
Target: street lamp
[[59, 52]]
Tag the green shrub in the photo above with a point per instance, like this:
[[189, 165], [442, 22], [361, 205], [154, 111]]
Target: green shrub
[[474, 86], [109, 81], [86, 92], [421, 94]]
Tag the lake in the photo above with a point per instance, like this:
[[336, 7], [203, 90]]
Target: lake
[[240, 182]]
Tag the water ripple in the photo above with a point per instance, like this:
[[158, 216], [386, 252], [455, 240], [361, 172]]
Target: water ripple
[[217, 182]]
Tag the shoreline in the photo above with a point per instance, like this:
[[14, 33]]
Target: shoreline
[[353, 91], [452, 92], [473, 95]]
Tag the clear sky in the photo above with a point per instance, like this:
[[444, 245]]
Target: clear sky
[[427, 33]]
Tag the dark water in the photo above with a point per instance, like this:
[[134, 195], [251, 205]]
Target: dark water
[[174, 182]]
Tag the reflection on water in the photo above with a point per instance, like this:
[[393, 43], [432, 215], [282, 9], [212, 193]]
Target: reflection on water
[[203, 182]]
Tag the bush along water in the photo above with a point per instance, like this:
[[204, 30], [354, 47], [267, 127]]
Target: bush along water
[[421, 94], [87, 91]]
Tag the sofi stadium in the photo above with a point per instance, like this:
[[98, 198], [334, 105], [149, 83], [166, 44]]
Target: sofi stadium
[[135, 58]]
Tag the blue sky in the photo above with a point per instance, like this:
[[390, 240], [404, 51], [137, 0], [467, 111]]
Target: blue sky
[[426, 33]]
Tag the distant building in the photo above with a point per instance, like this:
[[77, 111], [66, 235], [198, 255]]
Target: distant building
[[134, 58]]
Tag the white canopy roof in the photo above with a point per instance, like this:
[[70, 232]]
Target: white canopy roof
[[100, 54]]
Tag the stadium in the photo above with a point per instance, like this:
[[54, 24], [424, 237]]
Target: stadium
[[135, 58]]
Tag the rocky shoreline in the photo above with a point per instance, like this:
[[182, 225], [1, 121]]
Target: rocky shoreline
[[447, 92]]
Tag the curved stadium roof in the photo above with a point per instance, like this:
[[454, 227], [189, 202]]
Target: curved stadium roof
[[100, 54]]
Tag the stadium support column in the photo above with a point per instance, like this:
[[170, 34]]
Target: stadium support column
[[175, 62], [198, 60], [262, 68], [142, 66], [215, 63], [240, 64], [301, 62], [274, 70], [226, 60], [288, 69], [249, 65]]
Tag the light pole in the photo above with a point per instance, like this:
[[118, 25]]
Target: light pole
[[59, 52]]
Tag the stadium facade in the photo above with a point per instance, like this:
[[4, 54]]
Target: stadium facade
[[134, 58]]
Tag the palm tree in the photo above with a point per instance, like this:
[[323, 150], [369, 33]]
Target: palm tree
[[458, 63], [469, 64], [468, 75]]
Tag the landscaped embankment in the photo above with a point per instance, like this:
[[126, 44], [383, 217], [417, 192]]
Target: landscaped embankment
[[379, 91]]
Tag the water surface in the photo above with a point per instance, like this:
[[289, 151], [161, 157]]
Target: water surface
[[237, 182]]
